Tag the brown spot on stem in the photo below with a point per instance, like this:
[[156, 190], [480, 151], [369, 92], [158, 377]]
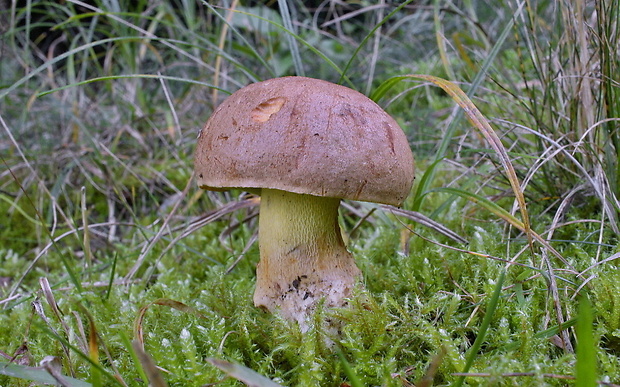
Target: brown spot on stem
[[296, 282]]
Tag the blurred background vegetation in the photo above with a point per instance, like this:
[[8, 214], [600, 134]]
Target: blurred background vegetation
[[100, 105]]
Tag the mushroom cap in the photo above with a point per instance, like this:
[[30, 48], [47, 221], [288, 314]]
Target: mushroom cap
[[305, 136]]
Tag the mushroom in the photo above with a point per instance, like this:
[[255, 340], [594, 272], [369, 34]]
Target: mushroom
[[304, 144]]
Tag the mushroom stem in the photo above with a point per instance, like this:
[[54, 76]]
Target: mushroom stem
[[303, 258]]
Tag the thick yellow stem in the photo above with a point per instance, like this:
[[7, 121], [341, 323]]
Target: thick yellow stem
[[303, 257]]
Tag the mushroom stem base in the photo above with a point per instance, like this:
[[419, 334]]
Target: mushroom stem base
[[303, 257]]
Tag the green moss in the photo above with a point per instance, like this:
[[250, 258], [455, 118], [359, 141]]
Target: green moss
[[191, 295]]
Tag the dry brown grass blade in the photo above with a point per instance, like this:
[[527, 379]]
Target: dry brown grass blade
[[149, 366], [234, 225], [429, 376], [53, 365], [507, 261], [249, 244], [147, 247], [611, 258], [88, 255], [218, 58], [480, 122], [208, 218], [138, 331], [425, 221], [599, 184], [218, 213], [38, 308], [49, 297], [51, 301], [249, 377], [12, 294], [93, 346], [81, 332], [21, 355]]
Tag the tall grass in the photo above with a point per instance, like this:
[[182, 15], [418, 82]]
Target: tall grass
[[114, 264], [566, 83]]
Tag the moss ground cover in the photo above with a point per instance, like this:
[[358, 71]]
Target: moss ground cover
[[116, 270]]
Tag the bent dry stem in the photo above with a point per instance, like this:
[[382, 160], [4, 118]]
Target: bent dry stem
[[303, 257]]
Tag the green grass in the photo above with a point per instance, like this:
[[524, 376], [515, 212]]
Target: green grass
[[117, 266]]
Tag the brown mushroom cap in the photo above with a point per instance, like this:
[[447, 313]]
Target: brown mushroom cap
[[305, 136]]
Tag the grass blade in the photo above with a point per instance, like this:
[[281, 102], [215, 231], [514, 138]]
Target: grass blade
[[292, 43], [240, 35], [37, 374], [244, 374], [480, 122], [102, 371], [302, 41], [424, 221], [488, 316], [425, 182], [502, 213], [145, 76], [441, 43], [586, 349], [367, 38], [443, 146], [148, 365], [348, 370], [218, 58], [486, 203], [480, 76]]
